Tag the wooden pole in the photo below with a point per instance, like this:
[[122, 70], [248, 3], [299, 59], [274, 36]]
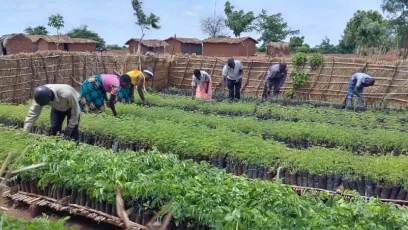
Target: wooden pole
[[263, 78], [154, 68], [247, 80], [394, 74], [16, 80], [84, 76], [315, 81], [185, 72], [328, 83], [73, 69], [45, 70], [32, 77]]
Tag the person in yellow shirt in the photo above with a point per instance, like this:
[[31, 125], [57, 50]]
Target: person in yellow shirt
[[138, 79]]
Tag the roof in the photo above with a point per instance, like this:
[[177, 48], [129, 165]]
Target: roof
[[62, 39], [187, 40], [149, 43], [5, 38], [279, 44], [227, 40]]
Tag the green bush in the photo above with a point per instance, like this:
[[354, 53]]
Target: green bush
[[303, 49], [299, 78], [299, 59], [316, 60]]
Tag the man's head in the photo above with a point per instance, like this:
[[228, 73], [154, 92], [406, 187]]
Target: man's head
[[231, 63], [369, 82], [43, 95], [148, 74], [197, 74], [282, 66], [125, 81]]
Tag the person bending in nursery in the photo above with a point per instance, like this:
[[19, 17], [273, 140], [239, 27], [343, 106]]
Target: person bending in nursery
[[138, 79], [275, 78], [356, 86], [201, 85], [94, 91], [64, 102], [232, 77]]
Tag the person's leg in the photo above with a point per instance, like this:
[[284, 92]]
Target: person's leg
[[265, 91], [238, 89], [75, 131], [230, 85], [57, 118], [276, 88], [350, 94], [360, 99]]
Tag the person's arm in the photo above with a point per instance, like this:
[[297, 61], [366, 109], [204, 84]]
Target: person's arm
[[112, 104], [282, 81], [358, 86], [74, 105], [224, 76], [207, 78], [140, 87], [33, 114], [193, 87], [241, 69], [132, 92]]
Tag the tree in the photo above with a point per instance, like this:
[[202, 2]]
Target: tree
[[213, 26], [39, 30], [143, 21], [325, 47], [115, 47], [398, 10], [296, 42], [84, 32], [56, 21], [272, 28], [365, 30], [238, 21]]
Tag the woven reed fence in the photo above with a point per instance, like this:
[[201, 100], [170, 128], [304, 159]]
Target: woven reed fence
[[19, 74]]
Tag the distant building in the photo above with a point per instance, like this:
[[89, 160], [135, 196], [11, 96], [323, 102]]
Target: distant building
[[278, 49], [228, 47], [184, 46], [15, 43], [152, 45], [46, 42]]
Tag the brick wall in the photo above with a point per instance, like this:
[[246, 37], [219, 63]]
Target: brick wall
[[82, 47], [229, 50], [42, 45], [133, 45], [175, 43], [19, 44]]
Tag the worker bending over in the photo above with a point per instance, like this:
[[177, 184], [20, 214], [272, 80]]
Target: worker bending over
[[275, 78], [201, 85], [356, 86], [232, 77], [64, 101], [138, 79]]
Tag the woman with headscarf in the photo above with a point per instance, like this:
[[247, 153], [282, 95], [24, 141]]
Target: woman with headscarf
[[94, 91], [201, 85], [138, 79]]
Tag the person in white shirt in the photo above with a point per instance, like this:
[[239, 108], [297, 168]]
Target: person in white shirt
[[64, 101], [232, 77], [201, 85]]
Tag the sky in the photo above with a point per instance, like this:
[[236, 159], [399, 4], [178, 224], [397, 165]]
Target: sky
[[114, 21]]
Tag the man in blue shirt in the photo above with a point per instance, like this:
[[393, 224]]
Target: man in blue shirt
[[356, 86]]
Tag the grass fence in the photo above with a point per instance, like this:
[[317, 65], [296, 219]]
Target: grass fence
[[19, 74]]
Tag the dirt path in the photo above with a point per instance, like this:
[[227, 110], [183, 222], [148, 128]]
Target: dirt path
[[77, 222]]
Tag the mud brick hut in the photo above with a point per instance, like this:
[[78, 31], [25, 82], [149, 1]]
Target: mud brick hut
[[46, 42], [153, 45], [228, 47], [278, 49], [184, 46], [15, 43]]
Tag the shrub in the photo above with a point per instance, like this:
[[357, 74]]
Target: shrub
[[299, 79], [316, 60], [299, 59]]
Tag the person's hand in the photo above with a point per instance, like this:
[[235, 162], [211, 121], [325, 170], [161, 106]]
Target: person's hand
[[68, 131]]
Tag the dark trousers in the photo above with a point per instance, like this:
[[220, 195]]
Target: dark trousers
[[57, 118], [234, 88], [274, 83]]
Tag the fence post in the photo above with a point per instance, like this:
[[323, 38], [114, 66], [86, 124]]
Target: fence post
[[185, 71], [328, 83], [45, 69], [249, 72], [84, 76], [154, 68], [394, 74], [32, 78], [73, 69], [58, 69], [263, 78], [315, 81], [15, 80]]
